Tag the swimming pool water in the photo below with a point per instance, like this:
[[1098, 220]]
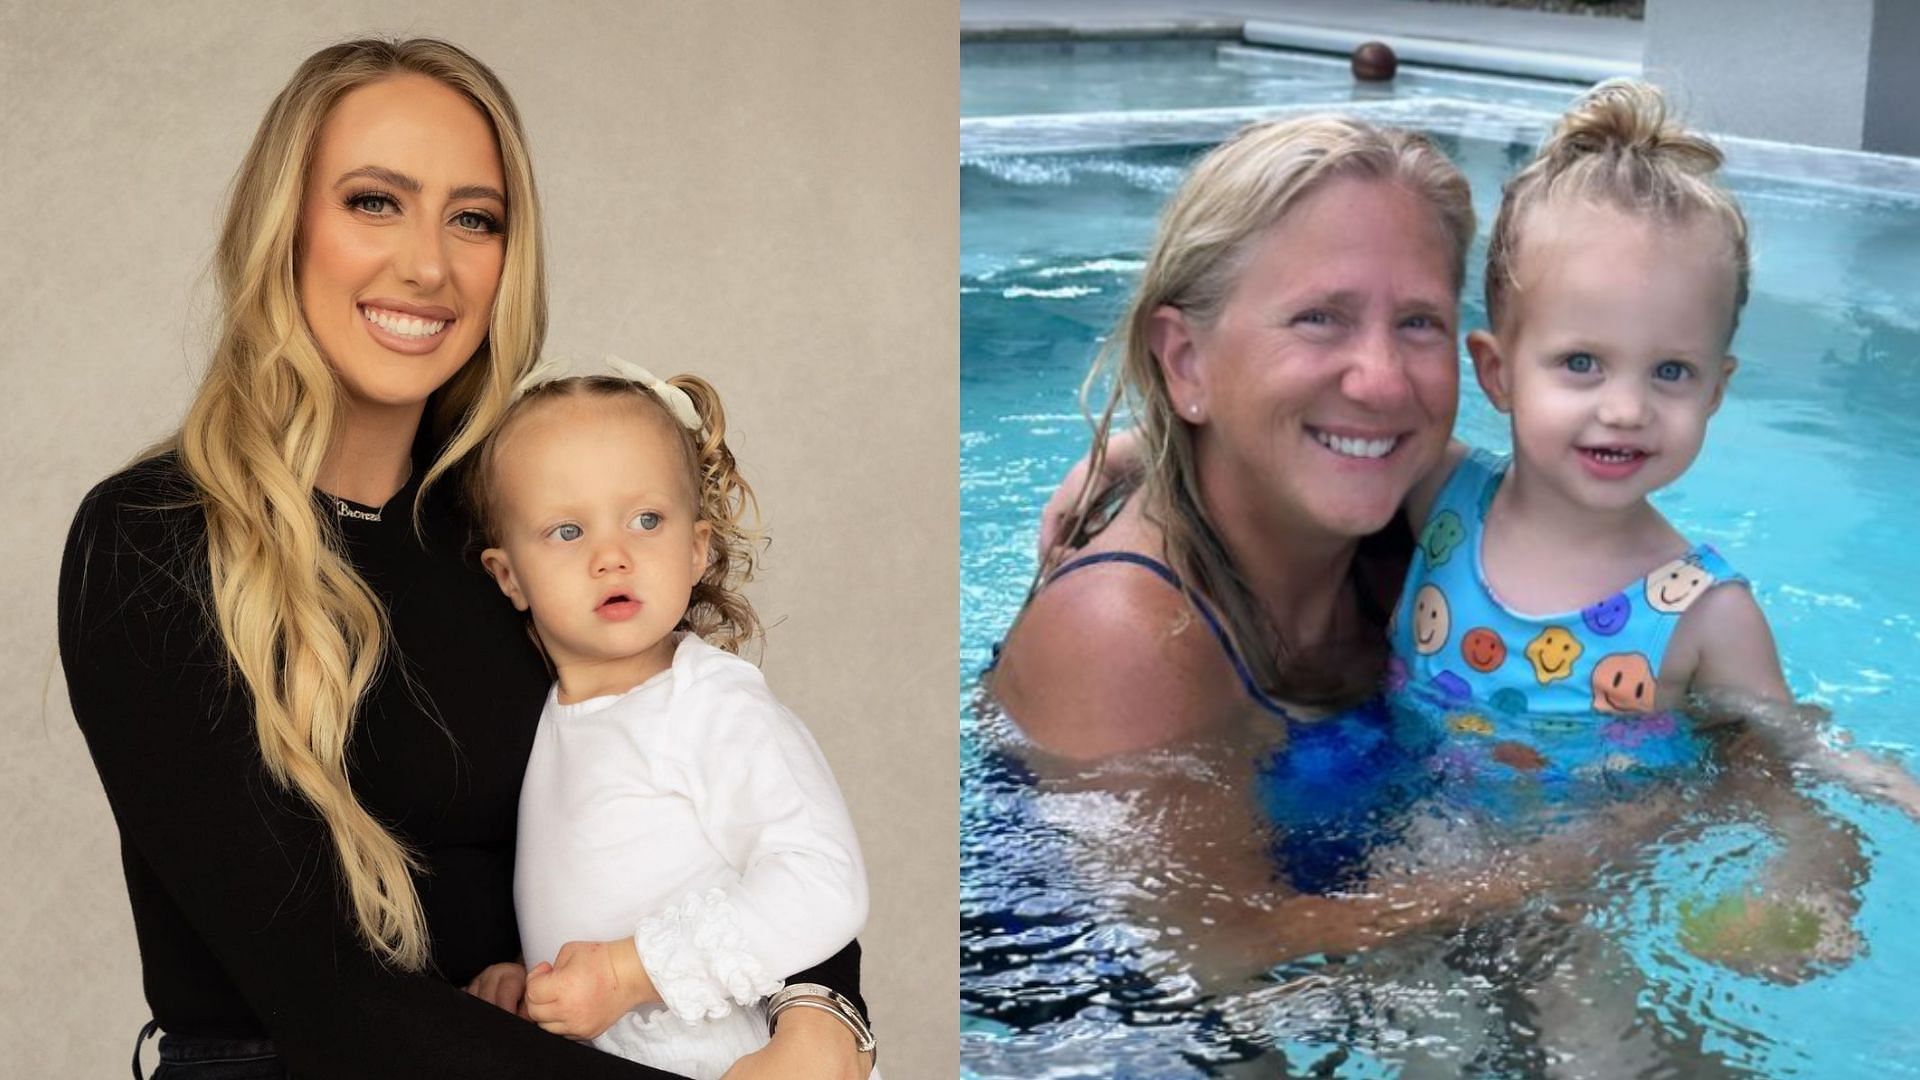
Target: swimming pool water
[[1807, 484]]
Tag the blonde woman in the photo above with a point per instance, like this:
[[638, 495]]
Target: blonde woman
[[308, 708], [1289, 360]]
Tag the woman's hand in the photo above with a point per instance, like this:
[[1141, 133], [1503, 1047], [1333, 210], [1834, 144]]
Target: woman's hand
[[808, 1045], [503, 984], [587, 987], [1123, 457]]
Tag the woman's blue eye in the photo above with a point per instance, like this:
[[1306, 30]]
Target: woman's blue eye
[[373, 202], [1314, 318], [475, 221], [1672, 371], [568, 532], [646, 521], [1581, 363]]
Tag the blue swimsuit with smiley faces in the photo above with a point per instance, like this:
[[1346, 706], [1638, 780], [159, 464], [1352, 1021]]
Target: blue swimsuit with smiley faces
[[1537, 705]]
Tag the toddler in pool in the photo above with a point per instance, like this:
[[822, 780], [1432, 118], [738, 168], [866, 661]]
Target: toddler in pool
[[1615, 275], [682, 844], [1616, 272]]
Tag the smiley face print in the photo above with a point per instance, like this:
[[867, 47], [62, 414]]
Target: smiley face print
[[1552, 654], [1675, 586], [1431, 620], [1469, 724], [1623, 683], [1609, 616], [1510, 700], [1482, 649], [1441, 536], [1451, 687], [1518, 755]]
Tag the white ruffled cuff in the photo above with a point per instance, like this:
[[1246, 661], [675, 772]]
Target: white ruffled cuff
[[697, 956]]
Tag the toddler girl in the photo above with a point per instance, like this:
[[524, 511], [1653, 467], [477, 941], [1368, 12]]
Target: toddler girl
[[1615, 277], [1558, 620], [682, 845]]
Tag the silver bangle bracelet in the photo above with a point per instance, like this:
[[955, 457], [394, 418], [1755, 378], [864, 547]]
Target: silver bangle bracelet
[[826, 999]]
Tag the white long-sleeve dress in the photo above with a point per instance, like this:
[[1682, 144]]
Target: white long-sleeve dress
[[695, 814]]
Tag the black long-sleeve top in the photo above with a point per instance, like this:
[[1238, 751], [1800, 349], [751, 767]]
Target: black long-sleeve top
[[244, 925]]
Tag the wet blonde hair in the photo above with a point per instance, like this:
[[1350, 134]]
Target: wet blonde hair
[[1207, 234], [718, 610], [1617, 146], [300, 626]]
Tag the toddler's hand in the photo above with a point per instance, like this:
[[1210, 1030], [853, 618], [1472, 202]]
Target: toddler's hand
[[1785, 941], [1053, 516], [1124, 455], [1874, 777], [589, 985], [503, 984]]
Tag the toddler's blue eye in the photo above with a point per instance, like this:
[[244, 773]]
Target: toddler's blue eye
[[568, 532], [645, 521], [1671, 371], [1581, 363]]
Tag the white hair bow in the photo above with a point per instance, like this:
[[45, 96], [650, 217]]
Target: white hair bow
[[676, 400]]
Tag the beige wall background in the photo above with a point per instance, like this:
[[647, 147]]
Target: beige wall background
[[761, 192]]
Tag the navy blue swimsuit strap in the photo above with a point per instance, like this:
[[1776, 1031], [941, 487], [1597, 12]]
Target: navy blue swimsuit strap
[[1166, 574], [1161, 569]]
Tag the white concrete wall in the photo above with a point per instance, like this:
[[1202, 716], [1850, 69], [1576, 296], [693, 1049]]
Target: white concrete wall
[[1893, 100], [1837, 73]]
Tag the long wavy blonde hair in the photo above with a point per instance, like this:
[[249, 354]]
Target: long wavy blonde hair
[[1209, 229], [301, 627]]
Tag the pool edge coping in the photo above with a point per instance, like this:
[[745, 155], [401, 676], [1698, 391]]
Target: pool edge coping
[[1455, 53], [1891, 175]]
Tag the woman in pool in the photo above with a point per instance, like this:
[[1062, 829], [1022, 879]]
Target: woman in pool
[[308, 711], [1289, 360]]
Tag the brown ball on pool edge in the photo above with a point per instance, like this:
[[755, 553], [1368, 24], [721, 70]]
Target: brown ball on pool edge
[[1374, 61]]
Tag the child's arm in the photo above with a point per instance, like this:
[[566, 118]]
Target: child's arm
[[1797, 917], [589, 985], [1725, 668], [1723, 645], [768, 804], [1124, 457]]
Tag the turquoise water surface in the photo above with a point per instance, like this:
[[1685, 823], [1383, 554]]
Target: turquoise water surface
[[1806, 484]]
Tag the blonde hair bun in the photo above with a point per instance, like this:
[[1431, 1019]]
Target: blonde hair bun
[[1628, 117], [1619, 146]]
